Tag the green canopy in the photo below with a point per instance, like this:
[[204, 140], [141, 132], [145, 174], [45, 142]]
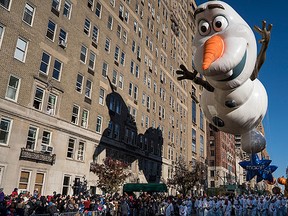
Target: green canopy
[[144, 187]]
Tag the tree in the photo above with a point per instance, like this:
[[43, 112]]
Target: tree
[[183, 179], [111, 174]]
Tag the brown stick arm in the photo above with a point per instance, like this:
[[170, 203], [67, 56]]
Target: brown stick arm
[[186, 74], [265, 32]]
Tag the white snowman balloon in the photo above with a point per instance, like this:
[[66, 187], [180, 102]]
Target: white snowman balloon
[[233, 100]]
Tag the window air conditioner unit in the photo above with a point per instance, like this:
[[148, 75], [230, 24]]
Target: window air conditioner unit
[[62, 44], [46, 148]]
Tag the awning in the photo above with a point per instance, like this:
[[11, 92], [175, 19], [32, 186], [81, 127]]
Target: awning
[[144, 187]]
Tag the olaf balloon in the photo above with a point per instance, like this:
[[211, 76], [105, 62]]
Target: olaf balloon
[[225, 53]]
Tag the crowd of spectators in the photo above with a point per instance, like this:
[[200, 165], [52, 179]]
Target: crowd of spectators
[[24, 204], [145, 204]]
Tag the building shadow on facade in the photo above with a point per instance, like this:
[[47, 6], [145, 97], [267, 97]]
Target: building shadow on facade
[[121, 141]]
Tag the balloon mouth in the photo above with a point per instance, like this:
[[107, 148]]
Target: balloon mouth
[[236, 71]]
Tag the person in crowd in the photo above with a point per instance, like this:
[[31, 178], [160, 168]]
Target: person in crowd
[[227, 207], [237, 205], [183, 209], [170, 208], [124, 207]]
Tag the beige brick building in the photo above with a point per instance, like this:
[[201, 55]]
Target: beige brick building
[[82, 80]]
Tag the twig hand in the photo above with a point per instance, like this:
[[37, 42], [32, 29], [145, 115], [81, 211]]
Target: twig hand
[[185, 73], [265, 32]]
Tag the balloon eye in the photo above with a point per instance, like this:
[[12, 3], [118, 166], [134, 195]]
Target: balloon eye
[[204, 27], [220, 23]]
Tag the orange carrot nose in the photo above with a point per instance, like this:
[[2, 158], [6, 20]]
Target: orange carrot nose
[[213, 49]]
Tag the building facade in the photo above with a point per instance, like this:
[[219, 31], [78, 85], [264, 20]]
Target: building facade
[[83, 80], [221, 159]]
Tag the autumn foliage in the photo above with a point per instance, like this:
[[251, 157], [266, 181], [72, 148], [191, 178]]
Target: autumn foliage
[[111, 174], [184, 179]]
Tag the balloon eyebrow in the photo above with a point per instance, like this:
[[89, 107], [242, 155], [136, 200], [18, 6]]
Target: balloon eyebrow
[[212, 6], [197, 11]]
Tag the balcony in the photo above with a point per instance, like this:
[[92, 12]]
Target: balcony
[[37, 156]]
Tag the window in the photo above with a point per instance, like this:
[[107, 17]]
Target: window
[[46, 140], [138, 52], [24, 181], [121, 11], [51, 30], [110, 23], [92, 58], [130, 89], [135, 26], [87, 25], [28, 14], [146, 121], [38, 98], [201, 146], [201, 120], [83, 54], [135, 95], [193, 111], [21, 48], [51, 104], [80, 153], [148, 102], [84, 120], [140, 32], [90, 4], [101, 96], [67, 9], [56, 4], [107, 45], [112, 3], [116, 131], [104, 69], [75, 114], [212, 153], [5, 4], [5, 126], [70, 149], [32, 138], [119, 30], [124, 38], [193, 140], [212, 173], [118, 106], [13, 88], [57, 69], [126, 17], [88, 89], [149, 82], [114, 77], [132, 67], [122, 60], [137, 70], [39, 180], [66, 185], [45, 61], [116, 54], [95, 34], [62, 38], [1, 33], [133, 46], [120, 81], [99, 124], [98, 10], [79, 83]]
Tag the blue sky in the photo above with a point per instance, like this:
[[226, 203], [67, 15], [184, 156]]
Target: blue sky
[[273, 74]]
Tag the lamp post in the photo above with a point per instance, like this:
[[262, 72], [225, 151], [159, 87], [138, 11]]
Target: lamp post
[[223, 179]]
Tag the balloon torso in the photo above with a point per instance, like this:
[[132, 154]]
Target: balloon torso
[[225, 53], [251, 105]]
